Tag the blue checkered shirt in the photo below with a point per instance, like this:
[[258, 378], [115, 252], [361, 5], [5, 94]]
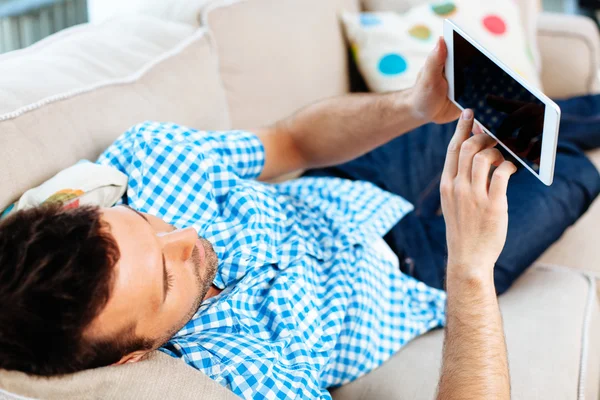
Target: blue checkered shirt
[[308, 302]]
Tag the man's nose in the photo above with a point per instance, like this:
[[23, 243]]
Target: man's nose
[[180, 243]]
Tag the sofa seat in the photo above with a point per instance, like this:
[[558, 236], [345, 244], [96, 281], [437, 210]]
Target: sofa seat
[[549, 316], [578, 247]]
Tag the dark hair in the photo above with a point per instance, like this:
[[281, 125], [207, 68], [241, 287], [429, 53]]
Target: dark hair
[[56, 275]]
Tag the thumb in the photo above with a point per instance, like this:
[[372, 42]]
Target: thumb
[[436, 60]]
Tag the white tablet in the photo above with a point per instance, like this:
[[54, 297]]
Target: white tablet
[[520, 117]]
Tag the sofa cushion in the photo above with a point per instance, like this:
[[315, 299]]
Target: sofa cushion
[[578, 247], [185, 11], [391, 48], [81, 184], [159, 378], [571, 54], [70, 96], [278, 55], [530, 10], [552, 324]]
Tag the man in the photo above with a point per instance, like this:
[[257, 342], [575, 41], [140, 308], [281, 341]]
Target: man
[[281, 291]]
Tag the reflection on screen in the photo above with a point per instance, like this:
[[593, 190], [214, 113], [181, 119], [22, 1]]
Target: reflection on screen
[[501, 104]]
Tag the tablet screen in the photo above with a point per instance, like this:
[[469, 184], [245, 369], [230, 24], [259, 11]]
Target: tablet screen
[[505, 107]]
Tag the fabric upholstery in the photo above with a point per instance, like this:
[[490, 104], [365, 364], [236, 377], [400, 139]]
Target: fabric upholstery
[[159, 378], [184, 11], [82, 56], [544, 316], [570, 55], [81, 184], [578, 248], [277, 56], [391, 48], [529, 14], [97, 82]]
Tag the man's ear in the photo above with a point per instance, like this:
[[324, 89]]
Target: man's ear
[[132, 357]]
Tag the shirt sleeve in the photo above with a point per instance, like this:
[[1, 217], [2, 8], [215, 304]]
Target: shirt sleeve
[[240, 151]]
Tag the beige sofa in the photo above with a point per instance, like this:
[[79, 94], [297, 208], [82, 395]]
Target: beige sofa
[[218, 64]]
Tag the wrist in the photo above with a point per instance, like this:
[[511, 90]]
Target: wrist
[[419, 114], [470, 274]]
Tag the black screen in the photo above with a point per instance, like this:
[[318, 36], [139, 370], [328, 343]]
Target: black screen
[[508, 110]]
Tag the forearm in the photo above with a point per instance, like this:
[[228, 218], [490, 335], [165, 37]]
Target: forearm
[[475, 362], [337, 130]]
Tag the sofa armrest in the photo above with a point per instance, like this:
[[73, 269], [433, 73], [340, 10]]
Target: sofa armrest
[[570, 51]]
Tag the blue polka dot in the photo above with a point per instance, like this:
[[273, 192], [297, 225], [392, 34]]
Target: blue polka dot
[[369, 20], [392, 64]]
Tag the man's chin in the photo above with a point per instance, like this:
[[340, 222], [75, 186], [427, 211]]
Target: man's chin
[[210, 262]]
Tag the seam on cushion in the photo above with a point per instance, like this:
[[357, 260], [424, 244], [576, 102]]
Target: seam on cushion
[[214, 6], [590, 273], [214, 50], [585, 338], [587, 316], [580, 271], [113, 82], [203, 19], [14, 396], [582, 38]]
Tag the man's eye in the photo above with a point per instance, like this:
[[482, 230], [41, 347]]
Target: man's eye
[[170, 280]]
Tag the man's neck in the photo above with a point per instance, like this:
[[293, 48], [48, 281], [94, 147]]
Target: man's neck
[[212, 292]]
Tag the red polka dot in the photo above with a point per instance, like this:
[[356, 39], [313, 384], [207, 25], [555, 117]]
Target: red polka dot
[[494, 24]]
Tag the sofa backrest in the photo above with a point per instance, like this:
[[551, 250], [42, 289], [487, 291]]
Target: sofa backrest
[[530, 10], [281, 55], [70, 96]]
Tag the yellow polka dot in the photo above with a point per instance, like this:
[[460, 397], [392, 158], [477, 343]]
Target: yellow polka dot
[[421, 32], [354, 50]]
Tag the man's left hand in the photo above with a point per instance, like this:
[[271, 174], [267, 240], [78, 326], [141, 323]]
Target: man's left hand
[[430, 93]]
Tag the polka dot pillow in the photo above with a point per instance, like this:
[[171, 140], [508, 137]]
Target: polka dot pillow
[[390, 48]]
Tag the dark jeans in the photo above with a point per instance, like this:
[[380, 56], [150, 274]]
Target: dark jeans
[[411, 166]]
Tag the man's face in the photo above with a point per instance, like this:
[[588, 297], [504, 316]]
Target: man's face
[[161, 278]]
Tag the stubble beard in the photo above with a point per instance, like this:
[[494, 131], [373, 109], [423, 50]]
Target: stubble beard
[[210, 269]]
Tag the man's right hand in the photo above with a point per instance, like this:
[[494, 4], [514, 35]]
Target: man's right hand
[[475, 207]]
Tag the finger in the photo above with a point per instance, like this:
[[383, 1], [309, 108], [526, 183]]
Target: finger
[[504, 105], [462, 133], [467, 152], [482, 163], [500, 178], [436, 60]]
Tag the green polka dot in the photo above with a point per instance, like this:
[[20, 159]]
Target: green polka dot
[[443, 9], [421, 32]]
